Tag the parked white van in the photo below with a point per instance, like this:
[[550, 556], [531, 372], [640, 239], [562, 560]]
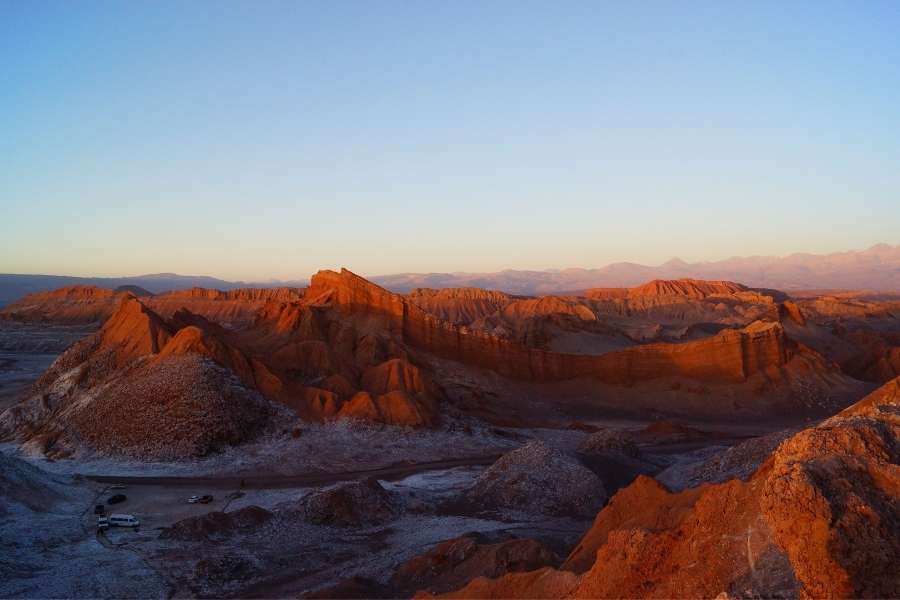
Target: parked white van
[[123, 521]]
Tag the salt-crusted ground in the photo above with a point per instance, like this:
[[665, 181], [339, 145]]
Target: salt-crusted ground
[[56, 553], [289, 554], [48, 551], [321, 447]]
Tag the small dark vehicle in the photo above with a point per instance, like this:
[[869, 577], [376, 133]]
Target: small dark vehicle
[[99, 509], [205, 499], [116, 499]]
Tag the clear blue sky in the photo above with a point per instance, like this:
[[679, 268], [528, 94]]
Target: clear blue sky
[[269, 139]]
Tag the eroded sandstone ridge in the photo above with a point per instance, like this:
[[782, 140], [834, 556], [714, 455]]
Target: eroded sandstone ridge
[[347, 348]]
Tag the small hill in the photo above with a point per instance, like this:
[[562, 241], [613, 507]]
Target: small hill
[[136, 388]]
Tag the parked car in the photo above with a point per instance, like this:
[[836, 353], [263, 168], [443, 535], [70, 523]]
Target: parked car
[[99, 509], [118, 486], [206, 499], [116, 499], [123, 521], [193, 499]]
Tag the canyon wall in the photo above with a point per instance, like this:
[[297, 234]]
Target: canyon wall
[[731, 356]]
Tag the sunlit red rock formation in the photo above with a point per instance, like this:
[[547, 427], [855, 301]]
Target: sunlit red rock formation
[[346, 348], [233, 308], [80, 304], [686, 288], [732, 355], [133, 331], [459, 305], [75, 304], [820, 518]]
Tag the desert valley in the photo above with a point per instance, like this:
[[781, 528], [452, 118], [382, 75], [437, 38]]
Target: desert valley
[[679, 438], [412, 300]]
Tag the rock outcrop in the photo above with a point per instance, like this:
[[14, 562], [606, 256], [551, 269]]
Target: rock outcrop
[[217, 525], [818, 519], [453, 563], [356, 503], [346, 348], [731, 356], [610, 440], [540, 480], [234, 308], [686, 288], [138, 388], [833, 500], [70, 305], [83, 304], [460, 306]]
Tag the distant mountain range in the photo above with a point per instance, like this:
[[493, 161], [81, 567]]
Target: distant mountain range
[[877, 268]]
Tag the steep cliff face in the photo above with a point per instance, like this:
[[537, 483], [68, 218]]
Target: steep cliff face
[[731, 356], [353, 295], [819, 519]]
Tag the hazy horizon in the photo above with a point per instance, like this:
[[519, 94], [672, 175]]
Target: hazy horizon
[[305, 277], [266, 141]]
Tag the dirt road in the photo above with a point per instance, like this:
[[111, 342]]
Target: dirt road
[[392, 472]]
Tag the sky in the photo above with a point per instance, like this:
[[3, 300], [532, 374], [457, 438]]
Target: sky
[[256, 140]]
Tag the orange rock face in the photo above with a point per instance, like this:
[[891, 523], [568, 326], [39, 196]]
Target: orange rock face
[[819, 519], [686, 288], [833, 500], [74, 304], [731, 356], [134, 331], [316, 350], [314, 361], [459, 305], [394, 375], [234, 307], [79, 304]]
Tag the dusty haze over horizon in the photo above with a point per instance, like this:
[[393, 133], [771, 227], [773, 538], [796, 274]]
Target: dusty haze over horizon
[[672, 261]]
